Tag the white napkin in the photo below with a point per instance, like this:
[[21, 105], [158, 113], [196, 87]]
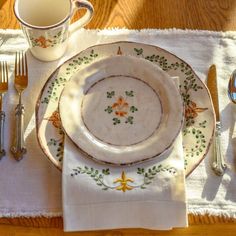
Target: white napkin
[[156, 201]]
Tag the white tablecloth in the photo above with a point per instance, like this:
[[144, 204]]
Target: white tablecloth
[[32, 187]]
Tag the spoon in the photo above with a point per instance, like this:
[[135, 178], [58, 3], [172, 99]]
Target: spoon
[[232, 87]]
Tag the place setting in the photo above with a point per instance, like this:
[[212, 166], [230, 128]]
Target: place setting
[[121, 123], [90, 117]]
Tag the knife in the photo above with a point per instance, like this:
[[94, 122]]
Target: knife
[[218, 165]]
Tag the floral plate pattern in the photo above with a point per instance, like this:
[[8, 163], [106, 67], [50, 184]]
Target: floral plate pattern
[[199, 116]]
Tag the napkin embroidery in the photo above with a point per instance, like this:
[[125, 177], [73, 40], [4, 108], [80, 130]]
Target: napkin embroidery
[[123, 183]]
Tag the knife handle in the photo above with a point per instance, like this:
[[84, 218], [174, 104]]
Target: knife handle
[[18, 149], [2, 120], [218, 165]]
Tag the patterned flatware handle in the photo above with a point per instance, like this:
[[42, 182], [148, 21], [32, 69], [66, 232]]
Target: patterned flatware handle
[[2, 120], [18, 149], [218, 165]]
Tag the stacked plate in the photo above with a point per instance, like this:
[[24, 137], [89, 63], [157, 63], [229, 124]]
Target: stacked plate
[[118, 103], [121, 110]]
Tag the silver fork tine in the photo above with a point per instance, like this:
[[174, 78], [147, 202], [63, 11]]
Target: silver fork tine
[[4, 72], [16, 64], [7, 73], [6, 77], [19, 64], [26, 66], [22, 63]]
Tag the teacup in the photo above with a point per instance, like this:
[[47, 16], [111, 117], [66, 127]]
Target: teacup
[[46, 24]]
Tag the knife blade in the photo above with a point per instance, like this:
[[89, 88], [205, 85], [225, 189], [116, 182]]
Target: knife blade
[[218, 165]]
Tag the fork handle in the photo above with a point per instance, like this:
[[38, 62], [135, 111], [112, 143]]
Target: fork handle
[[18, 149], [2, 120]]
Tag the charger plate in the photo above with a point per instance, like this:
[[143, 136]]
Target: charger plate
[[121, 110], [199, 115]]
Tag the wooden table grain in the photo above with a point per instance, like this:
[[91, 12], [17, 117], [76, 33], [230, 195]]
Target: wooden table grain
[[217, 15]]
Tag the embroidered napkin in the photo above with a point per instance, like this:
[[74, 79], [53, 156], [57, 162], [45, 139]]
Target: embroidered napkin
[[149, 195]]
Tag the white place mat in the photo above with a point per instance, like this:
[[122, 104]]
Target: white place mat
[[32, 187]]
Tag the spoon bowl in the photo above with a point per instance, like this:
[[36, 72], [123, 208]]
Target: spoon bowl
[[232, 87]]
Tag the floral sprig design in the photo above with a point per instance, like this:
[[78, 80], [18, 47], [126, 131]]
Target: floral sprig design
[[123, 183], [44, 42], [41, 42], [120, 108], [191, 112]]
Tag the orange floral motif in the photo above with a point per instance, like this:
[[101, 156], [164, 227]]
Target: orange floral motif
[[121, 107], [42, 42], [55, 119], [191, 110], [123, 182]]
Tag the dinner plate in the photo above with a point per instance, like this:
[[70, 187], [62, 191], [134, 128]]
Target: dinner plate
[[199, 115], [121, 110]]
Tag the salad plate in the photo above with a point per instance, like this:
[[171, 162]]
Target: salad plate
[[121, 110]]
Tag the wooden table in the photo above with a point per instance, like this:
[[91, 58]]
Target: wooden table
[[218, 15]]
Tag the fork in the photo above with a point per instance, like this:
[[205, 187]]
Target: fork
[[3, 89], [21, 82]]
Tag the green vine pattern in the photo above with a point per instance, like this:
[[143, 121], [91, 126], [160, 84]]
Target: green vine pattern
[[191, 110], [200, 140], [99, 177], [188, 84], [58, 145], [59, 83], [150, 174]]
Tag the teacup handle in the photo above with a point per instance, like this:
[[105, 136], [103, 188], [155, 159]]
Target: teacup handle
[[79, 4]]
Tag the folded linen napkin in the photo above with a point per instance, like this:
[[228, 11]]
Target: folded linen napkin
[[99, 197], [148, 195]]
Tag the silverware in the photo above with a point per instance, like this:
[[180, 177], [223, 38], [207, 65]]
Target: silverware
[[232, 87], [21, 82], [218, 165], [3, 89]]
